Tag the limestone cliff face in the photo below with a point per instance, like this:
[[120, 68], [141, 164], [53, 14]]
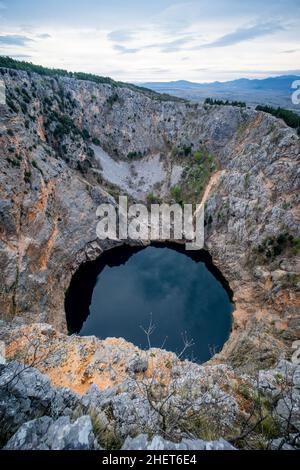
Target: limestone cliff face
[[52, 181]]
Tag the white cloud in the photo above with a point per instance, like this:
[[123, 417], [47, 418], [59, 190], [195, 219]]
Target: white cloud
[[169, 45], [14, 40], [244, 34], [123, 35]]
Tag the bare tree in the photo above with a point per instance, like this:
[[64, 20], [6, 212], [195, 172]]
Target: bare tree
[[172, 399]]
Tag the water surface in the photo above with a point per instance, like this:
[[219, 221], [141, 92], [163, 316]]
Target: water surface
[[179, 293]]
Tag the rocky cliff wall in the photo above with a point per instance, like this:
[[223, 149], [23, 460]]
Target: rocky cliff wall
[[51, 183]]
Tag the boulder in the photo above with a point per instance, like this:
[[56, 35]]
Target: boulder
[[48, 434], [26, 394], [137, 364], [142, 442]]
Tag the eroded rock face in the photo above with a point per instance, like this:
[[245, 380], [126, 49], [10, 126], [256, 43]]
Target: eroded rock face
[[51, 183]]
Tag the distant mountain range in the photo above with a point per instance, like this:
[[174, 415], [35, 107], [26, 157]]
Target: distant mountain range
[[274, 91]]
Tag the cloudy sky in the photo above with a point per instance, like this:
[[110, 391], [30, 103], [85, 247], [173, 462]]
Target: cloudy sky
[[157, 40]]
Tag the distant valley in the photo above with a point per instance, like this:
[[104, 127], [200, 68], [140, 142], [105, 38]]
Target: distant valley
[[274, 91]]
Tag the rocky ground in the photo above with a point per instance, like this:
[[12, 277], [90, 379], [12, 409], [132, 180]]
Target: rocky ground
[[84, 393], [62, 143], [139, 178]]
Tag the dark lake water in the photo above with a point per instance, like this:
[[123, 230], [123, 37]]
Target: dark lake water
[[181, 291]]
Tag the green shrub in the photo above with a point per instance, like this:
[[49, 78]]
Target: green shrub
[[96, 141], [187, 150], [272, 246], [290, 281], [269, 427], [47, 101], [295, 245], [246, 180], [27, 176], [198, 156], [196, 176], [112, 99], [90, 152], [176, 194], [13, 162], [211, 101], [64, 126], [105, 435], [153, 199], [203, 427], [11, 105], [132, 155], [23, 108], [85, 134]]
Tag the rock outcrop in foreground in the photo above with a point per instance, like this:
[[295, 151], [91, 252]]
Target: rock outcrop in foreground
[[123, 392], [68, 145]]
